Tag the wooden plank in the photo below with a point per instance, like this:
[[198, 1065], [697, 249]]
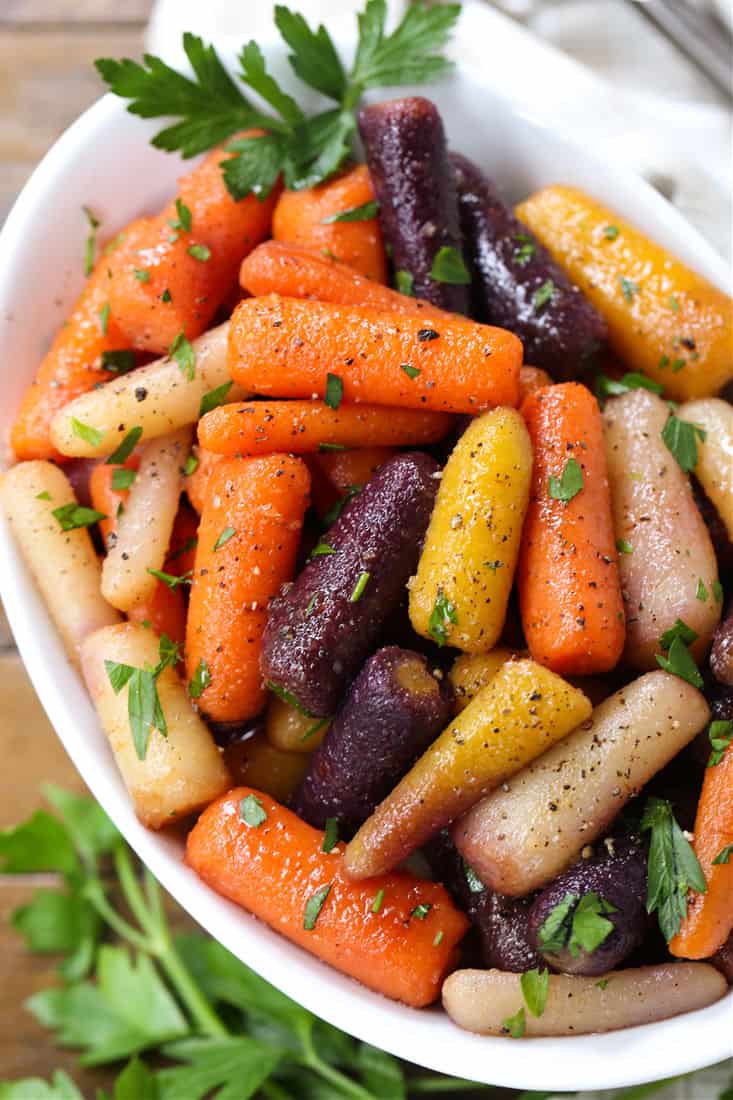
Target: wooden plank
[[29, 12]]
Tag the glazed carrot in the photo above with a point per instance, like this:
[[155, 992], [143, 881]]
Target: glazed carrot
[[73, 364], [569, 589], [247, 543], [532, 379], [302, 427], [347, 470], [165, 610], [709, 919], [663, 318], [396, 934], [185, 267], [104, 497], [303, 217], [296, 272], [287, 348], [197, 481]]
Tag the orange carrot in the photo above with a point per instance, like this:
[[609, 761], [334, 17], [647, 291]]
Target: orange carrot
[[287, 348], [569, 589], [303, 217], [184, 537], [395, 933], [73, 363], [165, 611], [303, 427], [105, 498], [532, 379], [296, 272], [197, 481], [188, 261], [347, 469], [247, 544], [709, 919]]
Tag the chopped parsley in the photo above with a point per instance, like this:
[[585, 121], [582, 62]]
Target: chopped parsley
[[624, 546], [378, 900], [680, 438], [118, 362], [45, 495], [535, 986], [720, 732], [171, 580], [200, 680], [84, 431], [680, 662], [104, 318], [141, 274], [569, 484], [214, 398], [673, 868], [543, 295], [724, 856], [184, 217], [628, 287], [334, 390], [404, 283], [144, 711], [252, 812], [126, 447], [330, 835], [73, 515], [224, 537], [612, 387], [449, 267], [313, 907], [421, 911], [123, 478], [577, 923], [410, 371], [190, 465], [442, 616], [182, 351], [363, 213], [515, 1025], [679, 630], [199, 252], [322, 549], [474, 883], [359, 587], [526, 250], [701, 591], [610, 232]]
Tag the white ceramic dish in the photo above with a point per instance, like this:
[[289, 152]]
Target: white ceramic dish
[[104, 160]]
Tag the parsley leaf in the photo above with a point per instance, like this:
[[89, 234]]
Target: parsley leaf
[[628, 287], [199, 252], [441, 617], [569, 484], [404, 283], [554, 931], [543, 295], [182, 351], [679, 437], [359, 587], [122, 478], [449, 267], [314, 58], [239, 1064], [410, 371], [610, 232], [126, 447], [720, 733], [118, 362], [171, 580], [104, 318], [673, 867], [213, 398], [73, 515], [363, 213], [724, 856], [515, 1025], [526, 250], [252, 811], [58, 922], [680, 662], [60, 1087], [410, 55], [334, 390], [331, 834], [90, 435], [322, 549], [535, 985], [144, 710], [224, 537], [200, 680], [313, 907], [612, 387], [679, 630], [576, 923]]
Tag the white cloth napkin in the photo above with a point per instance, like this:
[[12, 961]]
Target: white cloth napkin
[[593, 68]]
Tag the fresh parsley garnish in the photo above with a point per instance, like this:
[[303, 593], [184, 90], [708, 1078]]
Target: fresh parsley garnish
[[701, 592], [73, 515], [449, 267], [410, 371], [321, 549], [421, 911], [85, 431], [577, 923], [224, 537], [45, 495], [628, 287], [252, 811], [610, 232], [720, 732], [543, 295], [141, 274], [680, 662], [90, 248], [359, 587], [526, 250], [200, 680], [330, 835], [474, 883], [612, 387], [144, 711], [363, 213], [104, 318], [334, 390], [126, 447], [212, 400], [123, 478], [182, 351], [210, 106], [515, 1025], [199, 252], [287, 697], [535, 985], [172, 580], [569, 484], [118, 362], [680, 438], [717, 590], [378, 900], [724, 855], [333, 513], [624, 546], [404, 283], [190, 465], [443, 615], [183, 221], [313, 907], [673, 868], [680, 630]]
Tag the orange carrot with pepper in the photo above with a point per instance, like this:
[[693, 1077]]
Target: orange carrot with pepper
[[198, 479], [290, 348], [532, 379], [247, 544], [303, 427], [89, 349], [569, 588], [347, 469], [709, 919], [339, 218], [297, 272], [395, 933], [187, 263]]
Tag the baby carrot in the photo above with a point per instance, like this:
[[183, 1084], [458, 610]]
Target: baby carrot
[[302, 427], [396, 934], [296, 272], [663, 318], [247, 543], [288, 348], [184, 268], [530, 380], [197, 481], [315, 217], [709, 919], [569, 588], [75, 362], [165, 610], [349, 470], [184, 537]]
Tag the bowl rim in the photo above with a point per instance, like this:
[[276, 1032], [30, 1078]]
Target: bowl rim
[[628, 1057]]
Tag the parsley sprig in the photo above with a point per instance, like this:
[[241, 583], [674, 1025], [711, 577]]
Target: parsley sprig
[[221, 1030], [673, 867], [210, 105]]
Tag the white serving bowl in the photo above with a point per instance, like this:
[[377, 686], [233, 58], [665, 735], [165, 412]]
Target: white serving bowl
[[104, 161]]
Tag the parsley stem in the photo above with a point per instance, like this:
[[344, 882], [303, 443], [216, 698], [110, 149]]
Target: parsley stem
[[94, 893], [445, 1084], [199, 1008], [131, 889], [345, 1084]]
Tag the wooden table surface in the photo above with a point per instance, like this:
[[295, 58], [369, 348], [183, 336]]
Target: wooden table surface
[[47, 50]]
